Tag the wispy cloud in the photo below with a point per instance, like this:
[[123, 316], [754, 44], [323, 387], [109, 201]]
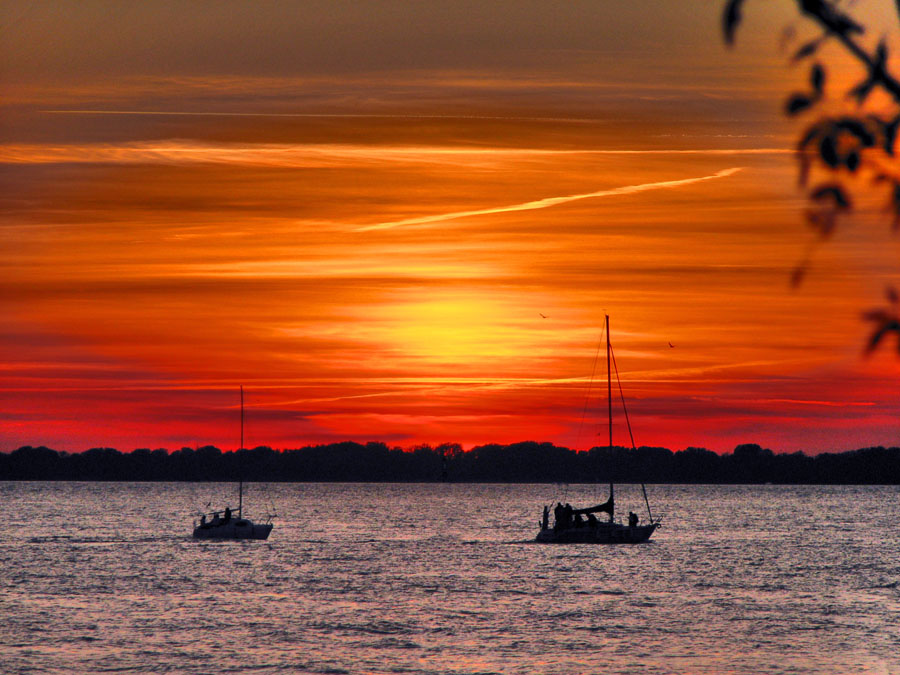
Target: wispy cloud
[[405, 116], [313, 154], [549, 201]]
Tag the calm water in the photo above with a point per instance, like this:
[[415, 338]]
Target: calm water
[[104, 577]]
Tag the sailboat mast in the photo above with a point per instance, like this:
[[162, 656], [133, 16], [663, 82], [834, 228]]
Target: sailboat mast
[[608, 382], [241, 473], [609, 401]]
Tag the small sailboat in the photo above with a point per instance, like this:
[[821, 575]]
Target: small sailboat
[[230, 523], [581, 526]]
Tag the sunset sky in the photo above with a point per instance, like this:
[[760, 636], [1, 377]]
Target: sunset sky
[[360, 210]]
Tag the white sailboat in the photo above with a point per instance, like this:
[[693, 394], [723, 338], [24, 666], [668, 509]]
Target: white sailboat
[[230, 523], [570, 527]]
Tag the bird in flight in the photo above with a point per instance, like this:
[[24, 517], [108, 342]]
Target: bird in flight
[[671, 345], [544, 316]]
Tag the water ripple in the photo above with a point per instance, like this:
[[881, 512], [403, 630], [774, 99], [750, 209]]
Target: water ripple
[[444, 579]]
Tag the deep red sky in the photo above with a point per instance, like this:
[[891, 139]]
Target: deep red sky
[[360, 210]]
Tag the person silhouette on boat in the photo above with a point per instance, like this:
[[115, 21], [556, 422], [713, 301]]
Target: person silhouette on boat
[[202, 519], [545, 520], [227, 514], [633, 520], [558, 516]]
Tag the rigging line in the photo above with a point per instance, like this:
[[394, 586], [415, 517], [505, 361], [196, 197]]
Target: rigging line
[[628, 422], [622, 396], [265, 489], [587, 398], [647, 502]]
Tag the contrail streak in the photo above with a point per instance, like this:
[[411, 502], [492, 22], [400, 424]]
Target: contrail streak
[[549, 201]]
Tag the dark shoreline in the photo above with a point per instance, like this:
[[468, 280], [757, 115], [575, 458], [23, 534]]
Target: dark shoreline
[[526, 462]]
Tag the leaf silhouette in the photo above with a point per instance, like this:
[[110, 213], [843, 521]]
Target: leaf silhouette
[[730, 19], [857, 129], [803, 156], [797, 103], [885, 323], [807, 50], [808, 137], [828, 151], [817, 78], [833, 193]]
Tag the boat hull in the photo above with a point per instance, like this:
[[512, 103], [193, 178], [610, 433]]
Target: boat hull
[[601, 533], [239, 528]]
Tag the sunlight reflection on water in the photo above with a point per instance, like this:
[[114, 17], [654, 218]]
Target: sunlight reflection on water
[[443, 579]]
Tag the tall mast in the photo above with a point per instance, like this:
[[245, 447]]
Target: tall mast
[[609, 400], [241, 473], [608, 383]]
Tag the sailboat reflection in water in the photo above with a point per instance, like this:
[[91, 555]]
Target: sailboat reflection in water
[[581, 526], [230, 524]]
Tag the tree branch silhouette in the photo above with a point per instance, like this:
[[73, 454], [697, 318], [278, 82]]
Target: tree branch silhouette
[[859, 144]]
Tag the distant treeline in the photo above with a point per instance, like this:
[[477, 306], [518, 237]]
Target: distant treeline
[[527, 462]]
